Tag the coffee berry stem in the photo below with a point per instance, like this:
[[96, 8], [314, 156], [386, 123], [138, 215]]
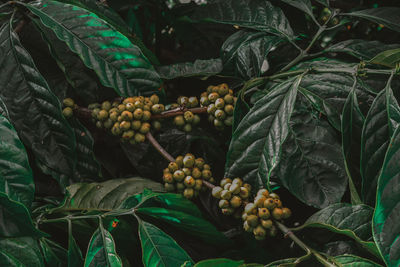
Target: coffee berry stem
[[159, 148], [291, 235], [208, 185], [179, 111]]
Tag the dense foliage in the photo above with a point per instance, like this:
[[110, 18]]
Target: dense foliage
[[120, 119]]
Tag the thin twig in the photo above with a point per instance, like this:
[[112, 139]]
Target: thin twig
[[159, 148], [291, 235], [179, 111], [208, 185]]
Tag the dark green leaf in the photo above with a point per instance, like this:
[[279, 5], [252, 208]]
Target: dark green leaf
[[323, 2], [380, 123], [112, 18], [386, 228], [20, 252], [53, 254], [388, 16], [351, 128], [239, 112], [118, 63], [34, 110], [15, 173], [253, 14], [311, 162], [355, 261], [218, 262], [255, 146], [361, 49], [159, 249], [389, 58], [351, 220], [101, 251], [195, 226], [107, 195], [16, 220], [199, 68], [87, 165], [74, 253], [303, 5], [245, 53]]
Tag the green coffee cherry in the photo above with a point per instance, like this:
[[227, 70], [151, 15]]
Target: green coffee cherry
[[216, 192], [69, 102], [67, 112], [139, 138], [106, 105]]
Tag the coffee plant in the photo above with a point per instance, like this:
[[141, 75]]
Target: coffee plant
[[199, 133]]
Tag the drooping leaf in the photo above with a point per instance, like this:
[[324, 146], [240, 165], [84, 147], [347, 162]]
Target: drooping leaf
[[361, 49], [311, 163], [245, 53], [19, 252], [16, 220], [53, 253], [253, 14], [380, 123], [86, 166], [107, 195], [16, 178], [34, 110], [199, 68], [159, 249], [351, 220], [388, 58], [355, 261], [255, 146], [351, 128], [74, 252], [195, 226], [386, 229], [101, 251], [118, 63], [388, 16], [303, 5]]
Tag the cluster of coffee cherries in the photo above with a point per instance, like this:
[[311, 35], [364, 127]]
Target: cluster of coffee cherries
[[186, 174], [258, 216], [233, 195], [186, 121], [129, 118], [68, 107], [220, 102]]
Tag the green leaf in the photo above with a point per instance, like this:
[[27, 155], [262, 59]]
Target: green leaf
[[87, 166], [388, 16], [74, 252], [323, 2], [218, 262], [159, 249], [361, 49], [118, 63], [255, 146], [53, 254], [351, 128], [20, 252], [303, 5], [105, 196], [258, 15], [101, 251], [380, 123], [16, 220], [245, 53], [388, 58], [354, 261], [113, 19], [353, 221], [195, 226], [34, 110], [16, 178], [386, 216], [239, 112], [311, 162], [199, 68]]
